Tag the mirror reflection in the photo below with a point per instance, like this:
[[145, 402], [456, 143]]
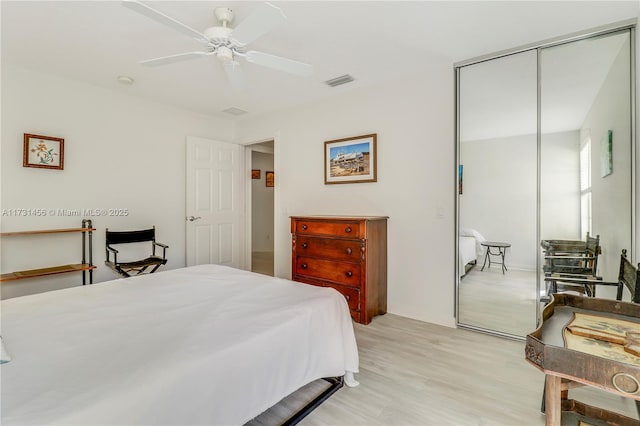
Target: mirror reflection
[[517, 245], [585, 185], [498, 155]]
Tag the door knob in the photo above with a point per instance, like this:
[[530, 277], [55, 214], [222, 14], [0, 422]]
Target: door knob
[[193, 218]]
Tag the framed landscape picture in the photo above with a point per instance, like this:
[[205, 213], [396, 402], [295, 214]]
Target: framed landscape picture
[[351, 160]]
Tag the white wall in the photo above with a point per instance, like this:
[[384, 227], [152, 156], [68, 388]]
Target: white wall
[[120, 152], [261, 204], [414, 122], [499, 194], [610, 195]]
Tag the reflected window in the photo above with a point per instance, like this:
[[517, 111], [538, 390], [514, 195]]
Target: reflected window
[[585, 182]]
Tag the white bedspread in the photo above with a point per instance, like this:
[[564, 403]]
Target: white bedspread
[[200, 345], [466, 253], [469, 248]]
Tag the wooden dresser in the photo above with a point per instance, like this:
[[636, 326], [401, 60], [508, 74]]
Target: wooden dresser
[[346, 253]]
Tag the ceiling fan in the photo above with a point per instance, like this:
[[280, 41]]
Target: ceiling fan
[[226, 43]]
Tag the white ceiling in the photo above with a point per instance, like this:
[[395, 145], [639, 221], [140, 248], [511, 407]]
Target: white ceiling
[[96, 41]]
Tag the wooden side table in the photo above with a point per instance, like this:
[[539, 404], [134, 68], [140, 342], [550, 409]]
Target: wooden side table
[[567, 367], [502, 250]]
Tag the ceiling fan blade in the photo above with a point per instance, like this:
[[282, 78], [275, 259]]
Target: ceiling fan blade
[[279, 63], [173, 58], [163, 19], [265, 18], [235, 75]]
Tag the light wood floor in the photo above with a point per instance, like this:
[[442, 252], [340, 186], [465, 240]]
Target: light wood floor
[[414, 373], [505, 302], [262, 262]]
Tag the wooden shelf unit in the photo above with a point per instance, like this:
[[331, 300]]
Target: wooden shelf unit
[[86, 266]]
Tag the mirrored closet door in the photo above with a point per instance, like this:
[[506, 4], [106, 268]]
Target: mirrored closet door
[[585, 185], [497, 198], [544, 154]]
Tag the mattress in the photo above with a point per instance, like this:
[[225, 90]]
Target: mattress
[[467, 252], [469, 247], [200, 345]]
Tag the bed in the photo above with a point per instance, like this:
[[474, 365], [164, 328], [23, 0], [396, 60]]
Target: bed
[[469, 248], [200, 345]]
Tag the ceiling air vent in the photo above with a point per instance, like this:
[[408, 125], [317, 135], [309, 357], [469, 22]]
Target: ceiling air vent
[[339, 80], [234, 111]]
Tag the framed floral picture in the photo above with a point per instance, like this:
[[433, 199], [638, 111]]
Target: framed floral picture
[[43, 152], [255, 174]]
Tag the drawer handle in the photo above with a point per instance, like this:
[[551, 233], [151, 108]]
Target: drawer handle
[[305, 245], [303, 266], [349, 274], [348, 229], [349, 250], [304, 227]]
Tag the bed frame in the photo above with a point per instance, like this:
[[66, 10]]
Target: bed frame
[[335, 384]]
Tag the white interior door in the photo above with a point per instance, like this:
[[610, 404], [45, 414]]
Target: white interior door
[[215, 203]]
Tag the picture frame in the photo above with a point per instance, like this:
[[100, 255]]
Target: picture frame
[[43, 152], [351, 160], [270, 179], [255, 174], [460, 170], [606, 154]]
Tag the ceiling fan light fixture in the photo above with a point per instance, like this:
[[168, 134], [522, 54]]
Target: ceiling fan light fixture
[[218, 35], [227, 43], [224, 54]]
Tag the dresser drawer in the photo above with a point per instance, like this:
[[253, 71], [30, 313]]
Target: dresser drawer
[[338, 272], [328, 248], [343, 229], [351, 294]]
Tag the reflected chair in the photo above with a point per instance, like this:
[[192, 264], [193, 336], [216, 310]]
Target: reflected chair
[[628, 277], [569, 258], [149, 265]]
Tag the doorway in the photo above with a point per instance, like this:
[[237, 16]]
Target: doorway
[[262, 207]]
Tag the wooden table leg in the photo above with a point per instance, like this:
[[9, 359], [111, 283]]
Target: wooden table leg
[[553, 385]]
